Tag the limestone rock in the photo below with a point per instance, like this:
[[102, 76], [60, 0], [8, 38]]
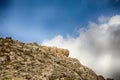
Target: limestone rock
[[100, 77], [55, 50], [30, 61]]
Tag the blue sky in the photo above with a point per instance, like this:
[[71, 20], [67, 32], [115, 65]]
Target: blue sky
[[36, 20]]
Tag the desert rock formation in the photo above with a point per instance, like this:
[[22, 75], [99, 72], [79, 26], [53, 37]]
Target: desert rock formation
[[30, 61]]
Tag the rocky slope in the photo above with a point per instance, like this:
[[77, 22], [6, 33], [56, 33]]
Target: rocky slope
[[30, 61]]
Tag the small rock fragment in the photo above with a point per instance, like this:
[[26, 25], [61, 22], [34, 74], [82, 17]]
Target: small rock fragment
[[100, 77]]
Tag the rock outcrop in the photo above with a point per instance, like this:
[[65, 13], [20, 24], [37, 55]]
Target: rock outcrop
[[30, 61]]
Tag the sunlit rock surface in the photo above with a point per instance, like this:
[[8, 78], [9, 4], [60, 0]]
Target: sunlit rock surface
[[30, 61]]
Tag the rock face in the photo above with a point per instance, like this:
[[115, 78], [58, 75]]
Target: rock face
[[22, 61]]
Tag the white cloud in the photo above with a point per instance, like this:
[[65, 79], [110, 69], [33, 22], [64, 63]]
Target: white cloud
[[103, 19], [98, 46]]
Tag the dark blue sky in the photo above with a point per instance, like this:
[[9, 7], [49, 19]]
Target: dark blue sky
[[36, 20]]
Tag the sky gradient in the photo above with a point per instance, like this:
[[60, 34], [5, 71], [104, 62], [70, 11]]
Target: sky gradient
[[90, 29], [36, 20]]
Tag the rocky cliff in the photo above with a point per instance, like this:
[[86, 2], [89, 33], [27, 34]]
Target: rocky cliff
[[30, 61]]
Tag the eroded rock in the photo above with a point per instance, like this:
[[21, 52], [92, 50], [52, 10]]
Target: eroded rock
[[30, 61]]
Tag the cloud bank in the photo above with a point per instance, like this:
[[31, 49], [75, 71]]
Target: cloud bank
[[97, 46]]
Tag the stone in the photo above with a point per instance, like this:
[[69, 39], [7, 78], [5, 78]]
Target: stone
[[100, 77], [35, 44], [30, 61]]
